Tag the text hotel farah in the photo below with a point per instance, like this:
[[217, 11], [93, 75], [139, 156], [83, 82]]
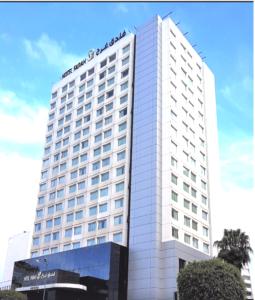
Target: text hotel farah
[[130, 168]]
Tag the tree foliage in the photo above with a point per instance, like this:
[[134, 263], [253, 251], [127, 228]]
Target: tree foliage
[[211, 279], [12, 295], [234, 248]]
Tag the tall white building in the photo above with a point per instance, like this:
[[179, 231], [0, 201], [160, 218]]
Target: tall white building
[[131, 157]]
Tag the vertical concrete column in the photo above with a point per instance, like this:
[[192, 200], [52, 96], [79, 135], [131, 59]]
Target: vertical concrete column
[[145, 211]]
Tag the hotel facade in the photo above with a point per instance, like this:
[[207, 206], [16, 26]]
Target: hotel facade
[[130, 158]]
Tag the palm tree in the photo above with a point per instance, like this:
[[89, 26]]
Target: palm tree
[[234, 248]]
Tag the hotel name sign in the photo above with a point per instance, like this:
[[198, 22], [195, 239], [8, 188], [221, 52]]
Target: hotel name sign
[[39, 276], [93, 53]]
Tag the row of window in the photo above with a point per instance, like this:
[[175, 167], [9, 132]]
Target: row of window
[[186, 187], [77, 230], [117, 238], [94, 195], [187, 239], [189, 222]]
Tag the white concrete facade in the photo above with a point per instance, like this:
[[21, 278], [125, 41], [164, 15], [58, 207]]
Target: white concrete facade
[[84, 189], [174, 146]]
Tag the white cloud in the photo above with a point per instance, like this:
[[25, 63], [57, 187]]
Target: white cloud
[[21, 123], [50, 50], [122, 7], [19, 177]]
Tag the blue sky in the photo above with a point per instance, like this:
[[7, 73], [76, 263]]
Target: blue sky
[[39, 41]]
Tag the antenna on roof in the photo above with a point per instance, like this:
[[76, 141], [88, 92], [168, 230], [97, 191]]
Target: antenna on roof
[[177, 23], [167, 15]]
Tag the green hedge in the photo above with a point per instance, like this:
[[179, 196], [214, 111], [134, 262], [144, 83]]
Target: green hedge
[[12, 295], [210, 280]]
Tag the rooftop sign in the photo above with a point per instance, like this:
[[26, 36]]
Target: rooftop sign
[[93, 53]]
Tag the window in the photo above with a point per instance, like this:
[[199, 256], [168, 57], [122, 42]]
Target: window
[[174, 179], [74, 174], [107, 147], [76, 245], [185, 171], [107, 133], [108, 120], [173, 147], [118, 220], [120, 171], [187, 238], [62, 167], [103, 63], [80, 99], [81, 185], [69, 217], [203, 185], [83, 157], [38, 227], [186, 203], [41, 199], [77, 230], [124, 86], [124, 73], [174, 214], [92, 210], [185, 187], [101, 239], [109, 106], [75, 161], [104, 192], [97, 151], [102, 224], [195, 242], [42, 187], [122, 141], [51, 210], [92, 226], [123, 99], [174, 196], [91, 242], [98, 138], [117, 237], [103, 208], [95, 180], [104, 176], [125, 49], [67, 247], [119, 187], [82, 171], [173, 162], [94, 195], [193, 192], [81, 88], [125, 61], [118, 203], [205, 231], [90, 83], [206, 248], [175, 233], [101, 87], [91, 71], [57, 221], [72, 188], [194, 208], [112, 57], [109, 94], [194, 225], [193, 177], [71, 203], [79, 215], [204, 199], [121, 155], [49, 224], [186, 221], [80, 200], [106, 162], [47, 238], [59, 206], [123, 112], [96, 165], [86, 118], [55, 236], [122, 126], [110, 81], [83, 76], [68, 232], [204, 215], [111, 70]]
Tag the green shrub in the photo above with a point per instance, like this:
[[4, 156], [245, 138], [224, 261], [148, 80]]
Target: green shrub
[[12, 295], [210, 280]]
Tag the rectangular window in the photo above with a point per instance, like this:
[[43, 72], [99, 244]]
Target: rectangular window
[[195, 242], [194, 225], [119, 203], [69, 218], [186, 203], [122, 141], [104, 192], [125, 61], [68, 232], [92, 226], [187, 238], [174, 214], [174, 179], [93, 211], [102, 224], [119, 187], [175, 233], [103, 208], [118, 220], [186, 221], [93, 195], [71, 203], [121, 155], [194, 208], [77, 230], [91, 242], [174, 196]]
